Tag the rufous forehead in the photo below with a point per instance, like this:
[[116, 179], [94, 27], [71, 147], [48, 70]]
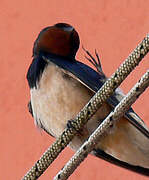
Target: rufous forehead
[[54, 35]]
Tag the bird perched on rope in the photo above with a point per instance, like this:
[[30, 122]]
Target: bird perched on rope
[[60, 86]]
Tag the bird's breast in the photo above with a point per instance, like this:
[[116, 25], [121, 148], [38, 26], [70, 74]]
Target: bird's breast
[[57, 99]]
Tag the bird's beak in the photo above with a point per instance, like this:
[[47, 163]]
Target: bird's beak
[[68, 29]]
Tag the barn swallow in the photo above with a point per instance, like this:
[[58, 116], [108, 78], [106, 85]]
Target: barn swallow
[[60, 86]]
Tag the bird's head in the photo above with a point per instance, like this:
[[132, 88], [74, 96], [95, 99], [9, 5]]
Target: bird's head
[[61, 39]]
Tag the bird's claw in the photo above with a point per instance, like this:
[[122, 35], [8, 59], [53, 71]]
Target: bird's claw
[[93, 61], [82, 132]]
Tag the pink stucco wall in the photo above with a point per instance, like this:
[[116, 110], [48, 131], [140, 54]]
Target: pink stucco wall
[[114, 28]]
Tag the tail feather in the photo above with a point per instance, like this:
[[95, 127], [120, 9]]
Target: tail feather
[[101, 154]]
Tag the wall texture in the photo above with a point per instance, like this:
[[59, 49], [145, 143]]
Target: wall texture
[[114, 28]]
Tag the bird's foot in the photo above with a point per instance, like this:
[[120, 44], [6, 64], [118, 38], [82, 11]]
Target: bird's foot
[[94, 61], [81, 132]]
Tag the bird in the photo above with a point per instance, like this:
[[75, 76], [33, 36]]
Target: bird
[[60, 86]]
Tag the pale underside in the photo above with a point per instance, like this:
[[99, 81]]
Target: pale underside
[[59, 97]]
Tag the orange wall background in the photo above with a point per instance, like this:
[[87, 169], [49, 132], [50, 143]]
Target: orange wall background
[[114, 28]]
